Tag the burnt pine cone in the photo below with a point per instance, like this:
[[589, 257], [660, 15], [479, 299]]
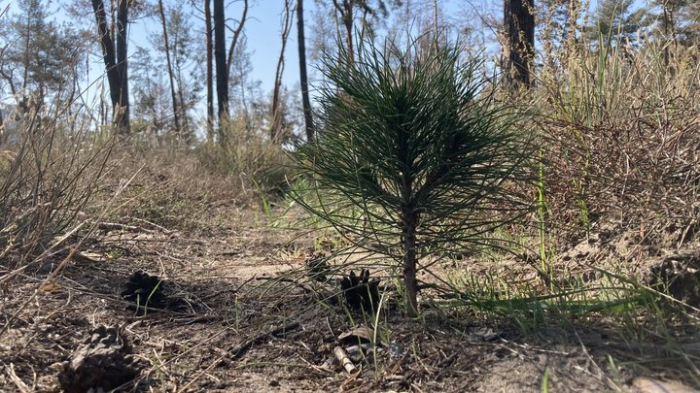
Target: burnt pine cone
[[360, 292], [145, 291]]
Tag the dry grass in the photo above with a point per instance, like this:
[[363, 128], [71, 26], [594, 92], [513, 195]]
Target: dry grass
[[172, 189], [623, 142], [194, 188], [48, 173]]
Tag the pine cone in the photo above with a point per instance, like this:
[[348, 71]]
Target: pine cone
[[360, 292]]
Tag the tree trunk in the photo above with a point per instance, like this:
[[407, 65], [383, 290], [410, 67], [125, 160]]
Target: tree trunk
[[3, 134], [236, 37], [221, 69], [669, 27], [275, 130], [436, 22], [210, 71], [122, 120], [519, 24], [170, 67], [410, 221], [306, 103], [26, 55], [185, 132], [346, 16], [115, 71]]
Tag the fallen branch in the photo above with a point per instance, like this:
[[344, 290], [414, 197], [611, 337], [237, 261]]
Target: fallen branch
[[232, 290], [692, 348], [110, 226], [162, 229]]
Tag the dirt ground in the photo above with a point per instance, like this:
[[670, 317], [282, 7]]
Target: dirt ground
[[239, 328]]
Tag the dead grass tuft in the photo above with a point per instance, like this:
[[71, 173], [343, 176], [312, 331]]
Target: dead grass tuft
[[49, 169]]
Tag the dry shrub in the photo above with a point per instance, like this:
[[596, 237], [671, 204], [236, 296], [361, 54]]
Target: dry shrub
[[199, 188], [170, 188], [50, 166], [625, 140], [249, 156]]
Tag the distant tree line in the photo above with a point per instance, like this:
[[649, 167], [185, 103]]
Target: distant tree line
[[199, 57]]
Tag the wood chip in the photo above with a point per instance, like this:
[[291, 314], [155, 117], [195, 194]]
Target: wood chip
[[343, 358]]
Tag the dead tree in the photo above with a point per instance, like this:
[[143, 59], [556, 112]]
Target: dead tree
[[303, 78], [210, 70], [221, 68], [176, 119], [276, 114], [115, 59]]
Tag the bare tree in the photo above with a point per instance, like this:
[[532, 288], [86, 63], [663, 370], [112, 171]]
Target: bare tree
[[236, 37], [210, 70], [170, 67], [221, 68], [346, 10], [436, 20], [519, 25], [115, 60], [275, 129], [223, 64], [301, 45]]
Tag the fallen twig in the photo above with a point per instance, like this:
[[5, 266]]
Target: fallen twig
[[162, 229], [201, 373], [21, 386], [110, 226]]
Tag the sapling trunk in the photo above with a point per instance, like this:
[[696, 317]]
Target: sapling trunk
[[409, 262]]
